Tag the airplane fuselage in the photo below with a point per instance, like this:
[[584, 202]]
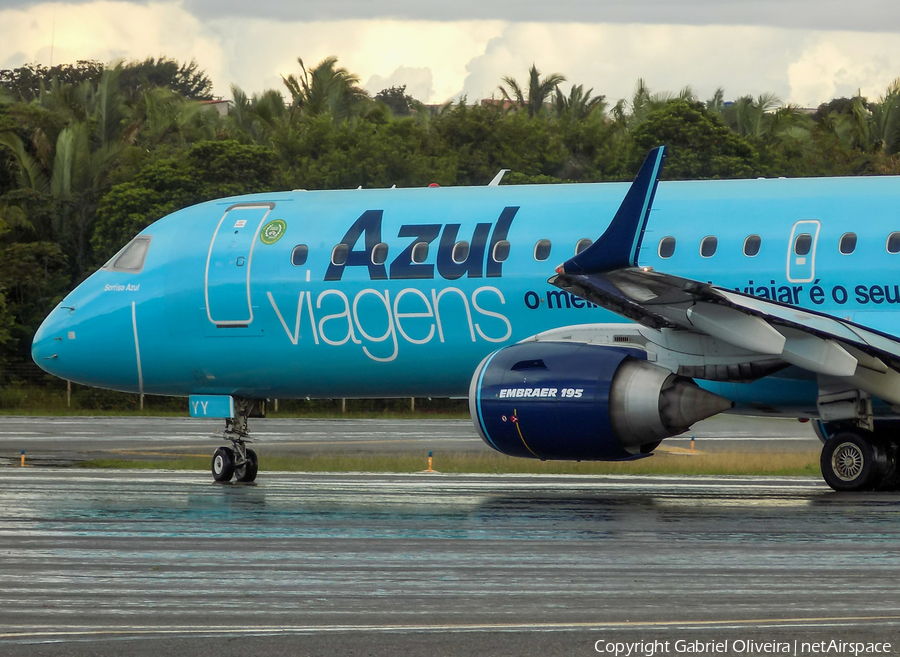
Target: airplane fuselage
[[248, 296]]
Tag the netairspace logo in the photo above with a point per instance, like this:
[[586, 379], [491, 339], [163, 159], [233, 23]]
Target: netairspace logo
[[740, 647]]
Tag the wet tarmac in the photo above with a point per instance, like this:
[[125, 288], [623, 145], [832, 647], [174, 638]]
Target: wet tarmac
[[147, 563]]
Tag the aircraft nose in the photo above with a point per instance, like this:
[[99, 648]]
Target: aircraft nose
[[48, 344], [90, 339]]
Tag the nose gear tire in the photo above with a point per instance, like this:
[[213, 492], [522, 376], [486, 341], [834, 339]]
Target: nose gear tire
[[247, 471], [223, 464]]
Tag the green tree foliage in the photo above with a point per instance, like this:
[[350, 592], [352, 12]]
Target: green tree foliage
[[64, 165], [752, 117], [208, 170], [579, 104], [398, 101], [33, 277], [68, 171], [701, 145], [185, 79], [90, 154], [26, 82], [7, 319], [327, 89], [885, 121], [7, 322], [485, 140], [161, 116], [402, 153]]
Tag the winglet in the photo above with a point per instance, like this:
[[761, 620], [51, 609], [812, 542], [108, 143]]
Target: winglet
[[618, 246]]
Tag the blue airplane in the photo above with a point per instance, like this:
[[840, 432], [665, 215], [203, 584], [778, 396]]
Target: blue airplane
[[761, 297]]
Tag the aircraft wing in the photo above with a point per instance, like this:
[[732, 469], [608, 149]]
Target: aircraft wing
[[608, 274]]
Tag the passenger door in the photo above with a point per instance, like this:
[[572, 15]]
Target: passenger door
[[227, 278]]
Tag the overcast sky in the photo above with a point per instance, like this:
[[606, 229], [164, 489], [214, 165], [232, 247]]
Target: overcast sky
[[805, 51]]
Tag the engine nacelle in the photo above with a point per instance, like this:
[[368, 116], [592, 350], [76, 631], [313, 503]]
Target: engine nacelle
[[576, 401]]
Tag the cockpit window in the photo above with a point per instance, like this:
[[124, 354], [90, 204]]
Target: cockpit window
[[132, 257]]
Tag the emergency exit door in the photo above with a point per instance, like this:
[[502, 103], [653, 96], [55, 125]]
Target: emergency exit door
[[801, 253], [227, 278]]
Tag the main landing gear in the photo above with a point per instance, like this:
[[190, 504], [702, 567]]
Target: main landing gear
[[238, 461], [855, 459]]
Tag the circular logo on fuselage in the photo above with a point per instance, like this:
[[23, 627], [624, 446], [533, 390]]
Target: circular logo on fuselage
[[272, 231]]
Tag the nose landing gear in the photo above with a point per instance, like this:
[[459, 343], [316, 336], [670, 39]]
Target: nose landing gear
[[238, 461]]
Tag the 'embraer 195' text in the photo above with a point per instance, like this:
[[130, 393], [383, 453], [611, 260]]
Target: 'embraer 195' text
[[479, 261], [373, 316]]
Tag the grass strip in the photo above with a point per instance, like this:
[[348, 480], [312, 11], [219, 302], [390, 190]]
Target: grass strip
[[730, 463]]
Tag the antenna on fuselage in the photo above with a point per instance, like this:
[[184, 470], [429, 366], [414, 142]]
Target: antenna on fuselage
[[496, 181]]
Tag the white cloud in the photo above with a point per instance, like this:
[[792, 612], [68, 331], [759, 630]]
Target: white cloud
[[843, 64], [260, 51], [801, 66], [611, 58], [438, 60], [106, 31]]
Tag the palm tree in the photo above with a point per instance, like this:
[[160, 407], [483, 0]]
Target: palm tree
[[886, 120], [160, 115], [749, 117], [533, 97], [254, 119], [69, 170], [579, 104], [716, 104], [643, 102], [869, 126], [327, 89], [789, 122], [30, 174], [265, 120]]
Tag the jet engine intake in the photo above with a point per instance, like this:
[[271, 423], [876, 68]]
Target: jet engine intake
[[575, 401]]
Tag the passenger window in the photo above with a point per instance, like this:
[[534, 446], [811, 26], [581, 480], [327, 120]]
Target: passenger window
[[893, 243], [379, 253], [339, 254], [803, 244], [501, 251], [848, 243], [751, 245], [299, 255], [132, 257], [667, 247], [582, 245], [460, 252], [420, 252], [542, 250], [708, 246]]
